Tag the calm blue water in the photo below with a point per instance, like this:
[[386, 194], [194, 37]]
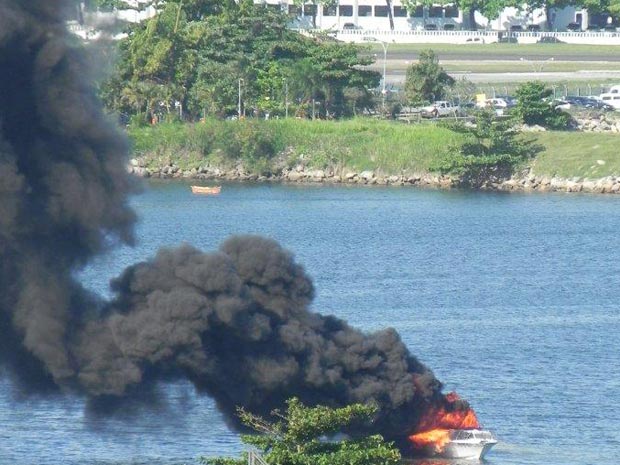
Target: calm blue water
[[512, 300]]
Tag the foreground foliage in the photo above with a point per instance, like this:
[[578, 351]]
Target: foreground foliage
[[301, 436]]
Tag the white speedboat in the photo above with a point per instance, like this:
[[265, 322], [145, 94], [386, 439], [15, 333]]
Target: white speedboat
[[468, 444]]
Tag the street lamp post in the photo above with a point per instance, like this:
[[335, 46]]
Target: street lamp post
[[537, 66], [239, 101], [385, 49], [285, 98]]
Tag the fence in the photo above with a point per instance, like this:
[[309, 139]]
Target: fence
[[559, 90], [464, 37]]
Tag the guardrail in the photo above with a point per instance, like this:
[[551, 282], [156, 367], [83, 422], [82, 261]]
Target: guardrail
[[483, 36]]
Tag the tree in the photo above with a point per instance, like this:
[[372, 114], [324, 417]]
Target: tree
[[534, 107], [491, 150], [315, 5], [193, 55], [548, 6], [301, 436], [426, 80]]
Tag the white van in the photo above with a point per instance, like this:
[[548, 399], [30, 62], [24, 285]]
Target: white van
[[614, 90], [612, 97]]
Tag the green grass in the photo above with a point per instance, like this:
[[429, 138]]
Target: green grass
[[367, 144], [578, 154], [506, 66], [491, 51], [359, 144], [527, 67]]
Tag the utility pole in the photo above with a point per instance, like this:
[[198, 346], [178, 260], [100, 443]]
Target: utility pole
[[239, 101], [286, 98]]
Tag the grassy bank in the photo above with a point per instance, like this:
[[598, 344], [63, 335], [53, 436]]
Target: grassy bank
[[359, 144], [573, 154]]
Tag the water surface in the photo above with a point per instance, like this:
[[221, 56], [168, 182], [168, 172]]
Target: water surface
[[511, 299]]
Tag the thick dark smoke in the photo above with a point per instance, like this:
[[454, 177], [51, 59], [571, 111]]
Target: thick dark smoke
[[235, 322]]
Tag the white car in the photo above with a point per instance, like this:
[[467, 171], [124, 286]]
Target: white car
[[499, 105], [441, 108]]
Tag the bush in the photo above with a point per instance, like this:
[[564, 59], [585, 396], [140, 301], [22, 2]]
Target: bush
[[490, 153], [534, 107]]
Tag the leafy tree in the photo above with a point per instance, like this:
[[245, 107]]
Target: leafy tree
[[105, 5], [300, 436], [315, 5], [193, 54], [426, 80], [534, 107], [548, 6], [490, 152]]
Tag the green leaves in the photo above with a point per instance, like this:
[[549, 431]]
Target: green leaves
[[490, 153], [301, 436], [534, 106], [426, 81], [198, 50]]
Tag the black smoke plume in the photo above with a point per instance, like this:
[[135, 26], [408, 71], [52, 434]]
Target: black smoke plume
[[235, 322]]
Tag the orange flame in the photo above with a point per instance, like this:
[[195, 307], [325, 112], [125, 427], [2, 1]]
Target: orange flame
[[433, 431]]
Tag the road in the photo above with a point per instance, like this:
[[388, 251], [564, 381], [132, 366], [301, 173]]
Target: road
[[397, 77], [515, 55]]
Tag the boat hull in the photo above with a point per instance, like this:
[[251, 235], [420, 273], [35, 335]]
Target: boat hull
[[471, 451], [206, 190]]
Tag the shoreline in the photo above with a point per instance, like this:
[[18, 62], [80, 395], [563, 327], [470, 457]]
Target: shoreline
[[524, 182]]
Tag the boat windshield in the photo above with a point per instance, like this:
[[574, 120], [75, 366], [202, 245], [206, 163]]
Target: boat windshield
[[461, 434]]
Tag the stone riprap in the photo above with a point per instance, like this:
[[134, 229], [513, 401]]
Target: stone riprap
[[301, 174]]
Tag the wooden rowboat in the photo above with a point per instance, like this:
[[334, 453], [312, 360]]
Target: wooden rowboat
[[206, 190]]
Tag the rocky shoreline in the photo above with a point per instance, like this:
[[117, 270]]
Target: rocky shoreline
[[523, 182]]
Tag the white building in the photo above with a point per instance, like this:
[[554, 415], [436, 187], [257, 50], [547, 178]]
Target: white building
[[374, 15]]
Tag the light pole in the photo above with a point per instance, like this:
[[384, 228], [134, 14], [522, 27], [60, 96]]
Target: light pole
[[537, 66], [239, 101], [385, 49], [285, 98]]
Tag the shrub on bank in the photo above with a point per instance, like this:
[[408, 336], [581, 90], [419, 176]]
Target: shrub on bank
[[491, 151]]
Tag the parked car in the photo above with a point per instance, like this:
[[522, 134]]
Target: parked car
[[533, 27], [430, 27], [549, 40], [510, 100], [510, 39], [516, 28], [499, 105], [573, 27], [440, 108], [350, 26], [614, 90], [587, 102], [611, 98]]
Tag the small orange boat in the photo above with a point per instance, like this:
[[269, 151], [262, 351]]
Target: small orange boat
[[206, 190]]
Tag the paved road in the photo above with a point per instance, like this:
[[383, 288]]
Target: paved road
[[397, 77], [515, 55]]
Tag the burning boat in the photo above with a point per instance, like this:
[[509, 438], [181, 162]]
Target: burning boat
[[467, 444], [452, 431]]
